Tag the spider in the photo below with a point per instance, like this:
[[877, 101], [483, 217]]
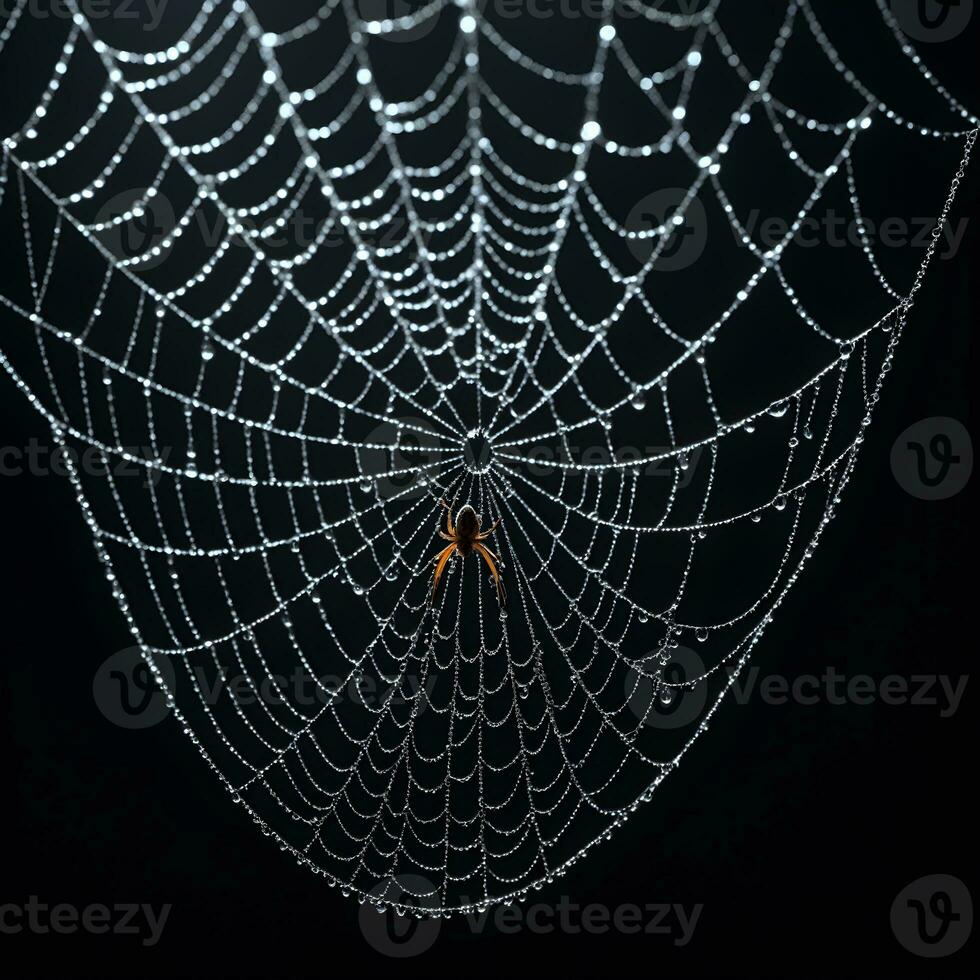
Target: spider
[[466, 537]]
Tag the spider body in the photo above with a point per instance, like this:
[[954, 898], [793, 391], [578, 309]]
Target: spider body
[[467, 529], [465, 537]]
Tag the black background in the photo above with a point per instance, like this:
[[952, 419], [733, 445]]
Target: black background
[[796, 829]]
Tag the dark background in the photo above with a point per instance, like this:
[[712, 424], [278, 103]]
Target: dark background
[[796, 830]]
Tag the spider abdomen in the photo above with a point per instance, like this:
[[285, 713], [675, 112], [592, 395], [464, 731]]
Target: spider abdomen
[[467, 528]]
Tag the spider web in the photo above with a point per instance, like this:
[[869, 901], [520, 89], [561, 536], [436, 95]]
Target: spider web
[[302, 402]]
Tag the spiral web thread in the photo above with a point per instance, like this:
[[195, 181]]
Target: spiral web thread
[[303, 405]]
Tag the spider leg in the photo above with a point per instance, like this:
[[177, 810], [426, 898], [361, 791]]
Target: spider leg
[[441, 560], [483, 535], [491, 553], [449, 516], [447, 537], [485, 553]]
